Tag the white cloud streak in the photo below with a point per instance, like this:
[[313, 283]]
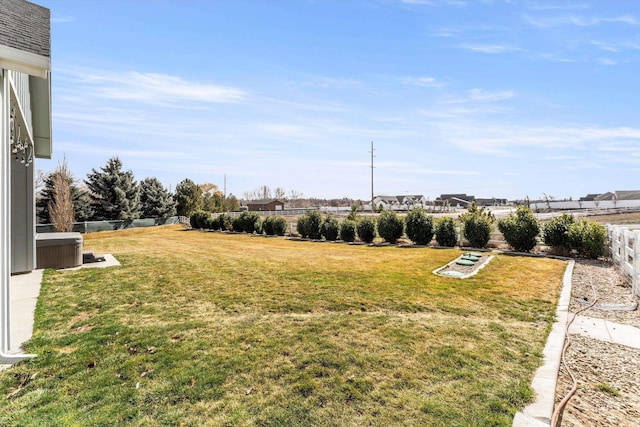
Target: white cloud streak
[[490, 48], [155, 88], [422, 82]]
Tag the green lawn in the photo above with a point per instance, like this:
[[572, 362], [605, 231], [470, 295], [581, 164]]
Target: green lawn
[[214, 329]]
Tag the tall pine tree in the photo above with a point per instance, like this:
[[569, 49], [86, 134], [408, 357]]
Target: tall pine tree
[[114, 194], [156, 201], [188, 197]]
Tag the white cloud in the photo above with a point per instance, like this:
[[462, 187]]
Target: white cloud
[[422, 82], [490, 48], [435, 2], [580, 21], [507, 140], [487, 96], [606, 46], [537, 5], [332, 82], [606, 61], [585, 22], [154, 88]]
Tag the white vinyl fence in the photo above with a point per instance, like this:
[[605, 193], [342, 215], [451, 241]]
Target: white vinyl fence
[[625, 251]]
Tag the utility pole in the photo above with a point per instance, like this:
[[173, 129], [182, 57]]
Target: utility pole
[[372, 156], [225, 186]]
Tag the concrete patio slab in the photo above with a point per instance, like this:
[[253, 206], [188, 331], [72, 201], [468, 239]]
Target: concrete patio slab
[[605, 330]]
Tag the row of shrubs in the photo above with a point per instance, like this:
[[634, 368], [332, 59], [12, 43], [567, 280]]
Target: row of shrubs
[[520, 229], [246, 222], [420, 228]]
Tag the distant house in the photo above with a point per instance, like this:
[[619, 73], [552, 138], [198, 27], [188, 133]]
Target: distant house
[[265, 205], [399, 202], [490, 202], [25, 134], [589, 197], [627, 195], [612, 196], [413, 200], [455, 199], [386, 202]]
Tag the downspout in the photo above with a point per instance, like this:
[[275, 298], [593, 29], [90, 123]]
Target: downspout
[[5, 228]]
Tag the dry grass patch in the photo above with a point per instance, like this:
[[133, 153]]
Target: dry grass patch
[[214, 329]]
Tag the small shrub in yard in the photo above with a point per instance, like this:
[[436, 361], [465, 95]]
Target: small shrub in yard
[[302, 227], [366, 229], [476, 225], [247, 222], [446, 232], [309, 225], [390, 227], [555, 233], [330, 228], [588, 238], [348, 230], [520, 230], [212, 223], [419, 226], [226, 222], [199, 219], [274, 225]]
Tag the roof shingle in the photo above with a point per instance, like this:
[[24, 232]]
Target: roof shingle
[[25, 26]]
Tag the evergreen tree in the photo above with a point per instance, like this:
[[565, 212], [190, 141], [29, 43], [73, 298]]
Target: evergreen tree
[[79, 195], [114, 193], [156, 201], [188, 198]]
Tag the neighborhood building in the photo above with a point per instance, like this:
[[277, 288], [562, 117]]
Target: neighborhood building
[[25, 134], [400, 202], [465, 200], [265, 205]]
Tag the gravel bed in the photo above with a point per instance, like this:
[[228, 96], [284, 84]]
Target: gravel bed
[[611, 289], [608, 375]]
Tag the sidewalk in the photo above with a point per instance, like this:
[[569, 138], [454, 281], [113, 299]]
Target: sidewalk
[[607, 331], [25, 289]]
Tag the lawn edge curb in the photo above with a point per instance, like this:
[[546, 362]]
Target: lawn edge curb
[[540, 411]]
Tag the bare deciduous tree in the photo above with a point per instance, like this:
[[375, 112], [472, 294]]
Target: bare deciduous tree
[[61, 208], [279, 193]]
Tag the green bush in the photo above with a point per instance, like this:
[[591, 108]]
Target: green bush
[[199, 219], [330, 228], [274, 225], [366, 229], [446, 232], [212, 223], [520, 230], [476, 225], [477, 230], [353, 215], [588, 238], [390, 227], [309, 225], [555, 233], [225, 222], [302, 227], [248, 222], [419, 226], [348, 230]]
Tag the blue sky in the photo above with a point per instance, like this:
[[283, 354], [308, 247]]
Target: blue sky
[[490, 98]]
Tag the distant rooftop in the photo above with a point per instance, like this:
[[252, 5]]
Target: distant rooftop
[[25, 26]]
